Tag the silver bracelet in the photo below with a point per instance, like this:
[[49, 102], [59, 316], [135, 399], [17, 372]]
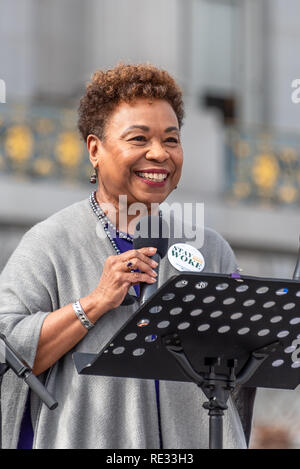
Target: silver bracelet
[[82, 316]]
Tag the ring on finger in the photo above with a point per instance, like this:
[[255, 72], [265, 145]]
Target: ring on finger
[[129, 266]]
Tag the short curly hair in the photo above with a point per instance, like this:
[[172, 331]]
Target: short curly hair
[[124, 82]]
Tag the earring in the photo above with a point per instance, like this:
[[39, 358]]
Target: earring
[[93, 178]]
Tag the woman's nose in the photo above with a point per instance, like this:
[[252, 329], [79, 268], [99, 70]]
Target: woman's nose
[[157, 152]]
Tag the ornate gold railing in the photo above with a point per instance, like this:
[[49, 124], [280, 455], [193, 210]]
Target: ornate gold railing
[[263, 166], [42, 143]]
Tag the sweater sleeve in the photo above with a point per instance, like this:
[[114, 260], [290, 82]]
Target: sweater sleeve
[[27, 292]]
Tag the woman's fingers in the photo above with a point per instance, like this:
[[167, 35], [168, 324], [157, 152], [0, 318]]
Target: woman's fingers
[[139, 259], [141, 254], [137, 264], [137, 277]]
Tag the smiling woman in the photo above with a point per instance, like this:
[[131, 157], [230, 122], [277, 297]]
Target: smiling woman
[[142, 160], [131, 118], [63, 289]]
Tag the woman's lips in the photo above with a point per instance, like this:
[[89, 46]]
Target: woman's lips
[[153, 182]]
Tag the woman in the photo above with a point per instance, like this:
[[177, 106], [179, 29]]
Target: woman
[[63, 288]]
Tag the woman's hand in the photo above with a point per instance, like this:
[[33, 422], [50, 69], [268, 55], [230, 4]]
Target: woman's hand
[[116, 278], [62, 330]]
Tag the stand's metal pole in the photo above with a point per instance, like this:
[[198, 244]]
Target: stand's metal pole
[[216, 429], [216, 410]]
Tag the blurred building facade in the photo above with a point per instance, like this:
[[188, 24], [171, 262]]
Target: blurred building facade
[[235, 60]]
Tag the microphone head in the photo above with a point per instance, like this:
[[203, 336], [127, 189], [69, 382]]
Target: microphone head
[[152, 231]]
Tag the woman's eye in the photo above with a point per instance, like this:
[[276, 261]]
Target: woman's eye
[[139, 138], [172, 140]]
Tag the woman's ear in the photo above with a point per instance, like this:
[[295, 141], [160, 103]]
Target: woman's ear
[[93, 145]]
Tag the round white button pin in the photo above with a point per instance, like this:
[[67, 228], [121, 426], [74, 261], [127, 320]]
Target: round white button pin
[[185, 257]]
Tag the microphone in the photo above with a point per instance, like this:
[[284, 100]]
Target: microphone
[[296, 275], [9, 358], [151, 231]]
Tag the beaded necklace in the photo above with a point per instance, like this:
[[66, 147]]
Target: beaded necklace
[[108, 226]]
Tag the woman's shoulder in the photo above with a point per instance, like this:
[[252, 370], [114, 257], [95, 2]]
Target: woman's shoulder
[[213, 237], [47, 246], [66, 219], [71, 222], [218, 252]]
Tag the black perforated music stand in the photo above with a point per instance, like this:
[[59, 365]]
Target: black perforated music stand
[[218, 331]]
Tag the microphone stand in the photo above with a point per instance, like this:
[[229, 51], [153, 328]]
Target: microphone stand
[[9, 358], [216, 387]]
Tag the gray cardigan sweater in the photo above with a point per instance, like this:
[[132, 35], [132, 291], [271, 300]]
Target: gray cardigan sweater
[[56, 262]]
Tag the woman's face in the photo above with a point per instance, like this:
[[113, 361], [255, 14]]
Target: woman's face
[[141, 154]]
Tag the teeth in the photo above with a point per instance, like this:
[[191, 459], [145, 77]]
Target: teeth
[[153, 176]]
